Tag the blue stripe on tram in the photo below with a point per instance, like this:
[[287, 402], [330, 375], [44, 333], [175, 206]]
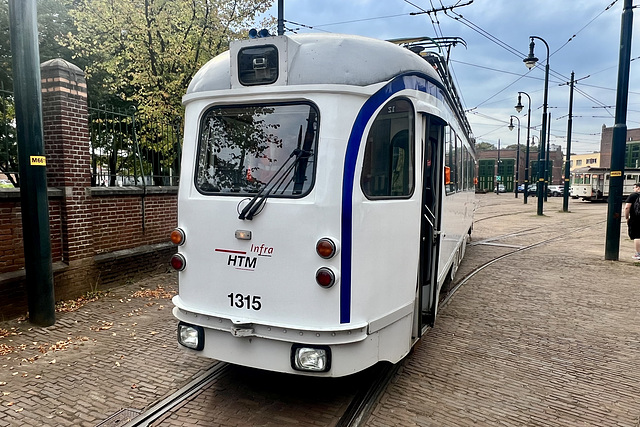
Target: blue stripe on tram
[[408, 81]]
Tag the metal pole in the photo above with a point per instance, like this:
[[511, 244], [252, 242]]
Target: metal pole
[[34, 204], [517, 154], [526, 160], [498, 170], [547, 174], [618, 146], [567, 166], [280, 17], [530, 62]]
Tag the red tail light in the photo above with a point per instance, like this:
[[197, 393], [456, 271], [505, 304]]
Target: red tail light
[[178, 262], [325, 277]]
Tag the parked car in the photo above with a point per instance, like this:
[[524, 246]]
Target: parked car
[[556, 190], [533, 190]]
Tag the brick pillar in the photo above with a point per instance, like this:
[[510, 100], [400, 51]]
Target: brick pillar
[[66, 138]]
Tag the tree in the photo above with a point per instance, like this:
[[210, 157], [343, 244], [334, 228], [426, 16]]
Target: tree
[[481, 146], [145, 52], [54, 22]]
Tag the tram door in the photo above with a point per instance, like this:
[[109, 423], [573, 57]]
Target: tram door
[[432, 181]]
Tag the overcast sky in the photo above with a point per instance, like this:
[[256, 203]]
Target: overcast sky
[[583, 36]]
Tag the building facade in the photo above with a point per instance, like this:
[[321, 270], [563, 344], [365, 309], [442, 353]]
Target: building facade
[[583, 160], [632, 151], [499, 167]]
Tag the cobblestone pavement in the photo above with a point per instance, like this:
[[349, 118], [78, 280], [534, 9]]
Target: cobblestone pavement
[[117, 352], [547, 336]]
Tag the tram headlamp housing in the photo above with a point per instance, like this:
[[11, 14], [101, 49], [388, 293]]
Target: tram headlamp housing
[[191, 336], [310, 359], [258, 65]]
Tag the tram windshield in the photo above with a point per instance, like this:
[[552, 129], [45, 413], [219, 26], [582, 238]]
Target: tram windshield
[[241, 148]]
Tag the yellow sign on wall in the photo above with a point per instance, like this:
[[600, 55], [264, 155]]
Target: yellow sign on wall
[[38, 160], [616, 173]]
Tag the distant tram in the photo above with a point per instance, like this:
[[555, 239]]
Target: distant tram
[[592, 184], [326, 195]]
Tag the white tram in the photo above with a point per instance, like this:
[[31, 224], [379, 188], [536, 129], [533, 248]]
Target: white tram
[[592, 184], [326, 194]]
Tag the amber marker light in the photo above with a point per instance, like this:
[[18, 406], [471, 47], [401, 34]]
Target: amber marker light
[[177, 237], [326, 248]]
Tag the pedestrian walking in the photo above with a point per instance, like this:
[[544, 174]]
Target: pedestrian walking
[[632, 215]]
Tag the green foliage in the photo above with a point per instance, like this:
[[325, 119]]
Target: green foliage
[[481, 146], [54, 22], [145, 52]]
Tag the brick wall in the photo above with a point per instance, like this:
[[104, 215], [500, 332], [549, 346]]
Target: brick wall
[[11, 245], [101, 236]]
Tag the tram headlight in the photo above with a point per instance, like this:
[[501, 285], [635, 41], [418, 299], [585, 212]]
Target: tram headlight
[[310, 359], [191, 336]]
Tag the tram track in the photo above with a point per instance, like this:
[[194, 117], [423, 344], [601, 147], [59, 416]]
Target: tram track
[[373, 386]]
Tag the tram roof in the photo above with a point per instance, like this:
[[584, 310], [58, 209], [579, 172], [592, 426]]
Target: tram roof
[[324, 59]]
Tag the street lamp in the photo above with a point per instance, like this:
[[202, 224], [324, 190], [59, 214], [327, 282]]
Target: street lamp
[[526, 160], [530, 61], [517, 151]]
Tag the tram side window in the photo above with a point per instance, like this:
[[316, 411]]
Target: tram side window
[[388, 168], [459, 163], [450, 160]]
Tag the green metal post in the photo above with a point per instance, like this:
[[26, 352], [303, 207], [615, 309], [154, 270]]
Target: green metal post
[[567, 165], [32, 161], [280, 17], [618, 146]]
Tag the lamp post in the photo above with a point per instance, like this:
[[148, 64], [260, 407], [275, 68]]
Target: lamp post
[[530, 61], [517, 151], [526, 160]]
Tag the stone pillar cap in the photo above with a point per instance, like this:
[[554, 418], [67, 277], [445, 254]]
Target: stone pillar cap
[[58, 67]]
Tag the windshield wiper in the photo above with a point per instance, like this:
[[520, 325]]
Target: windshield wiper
[[255, 204]]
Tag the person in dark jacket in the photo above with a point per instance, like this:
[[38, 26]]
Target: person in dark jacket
[[633, 219]]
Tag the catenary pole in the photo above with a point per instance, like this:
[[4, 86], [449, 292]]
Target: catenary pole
[[567, 165], [280, 17], [618, 145], [34, 204]]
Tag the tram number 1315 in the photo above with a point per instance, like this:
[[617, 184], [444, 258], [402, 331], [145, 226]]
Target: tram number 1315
[[250, 302]]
